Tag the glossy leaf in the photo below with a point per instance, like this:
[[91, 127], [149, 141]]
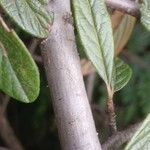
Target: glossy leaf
[[95, 33], [30, 15], [121, 74], [141, 139], [145, 14], [19, 76]]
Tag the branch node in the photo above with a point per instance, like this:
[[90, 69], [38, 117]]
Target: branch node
[[67, 17]]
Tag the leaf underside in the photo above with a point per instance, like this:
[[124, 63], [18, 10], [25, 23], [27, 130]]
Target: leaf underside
[[94, 29], [121, 74], [19, 76], [123, 32], [145, 14], [141, 139], [30, 15]]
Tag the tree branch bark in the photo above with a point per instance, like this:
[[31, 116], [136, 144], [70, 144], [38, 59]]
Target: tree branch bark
[[116, 140], [90, 86], [6, 132], [8, 135], [128, 6], [72, 110]]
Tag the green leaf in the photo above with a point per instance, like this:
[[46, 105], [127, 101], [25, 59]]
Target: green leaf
[[145, 14], [19, 76], [121, 75], [43, 2], [141, 139], [95, 33], [30, 15]]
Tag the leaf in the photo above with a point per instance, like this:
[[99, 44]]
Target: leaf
[[121, 75], [30, 15], [94, 28], [116, 18], [145, 14], [123, 32], [44, 1], [19, 76], [141, 139]]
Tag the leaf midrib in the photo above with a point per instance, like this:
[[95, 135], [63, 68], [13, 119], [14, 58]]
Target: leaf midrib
[[102, 54]]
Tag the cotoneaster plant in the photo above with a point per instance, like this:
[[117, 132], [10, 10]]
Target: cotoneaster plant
[[19, 75]]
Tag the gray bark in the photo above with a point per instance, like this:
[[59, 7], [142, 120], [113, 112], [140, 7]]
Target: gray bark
[[121, 137], [72, 110], [131, 7]]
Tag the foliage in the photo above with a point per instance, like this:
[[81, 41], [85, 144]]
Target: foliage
[[30, 15], [141, 139], [93, 26], [19, 74], [19, 77], [145, 11], [94, 29], [121, 74], [122, 29]]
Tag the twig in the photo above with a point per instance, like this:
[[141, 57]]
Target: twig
[[90, 85], [33, 45], [111, 110], [102, 116], [135, 59], [116, 140], [37, 58], [87, 67], [112, 116], [4, 148], [127, 6], [32, 48], [8, 135], [4, 102], [6, 132]]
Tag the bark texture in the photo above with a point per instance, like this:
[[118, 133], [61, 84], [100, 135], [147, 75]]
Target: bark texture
[[131, 7], [72, 110]]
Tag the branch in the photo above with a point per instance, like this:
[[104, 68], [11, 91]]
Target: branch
[[72, 110], [127, 6], [116, 140], [90, 85], [33, 45], [6, 132], [135, 59], [111, 116], [8, 135], [3, 148]]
